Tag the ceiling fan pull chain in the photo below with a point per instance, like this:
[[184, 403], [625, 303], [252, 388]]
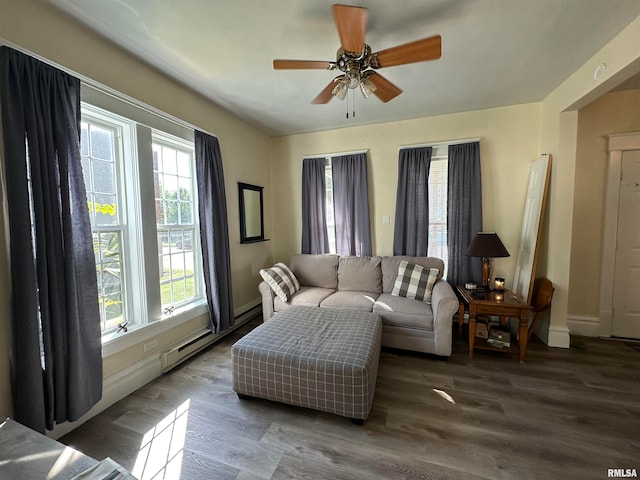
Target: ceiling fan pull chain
[[353, 97], [347, 104]]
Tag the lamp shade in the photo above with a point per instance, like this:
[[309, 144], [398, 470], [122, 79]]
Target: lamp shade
[[486, 244]]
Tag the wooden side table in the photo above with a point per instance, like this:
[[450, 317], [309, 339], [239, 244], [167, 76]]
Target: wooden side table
[[504, 304]]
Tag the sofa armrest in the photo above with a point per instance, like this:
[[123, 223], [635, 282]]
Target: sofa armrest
[[267, 300], [444, 304]]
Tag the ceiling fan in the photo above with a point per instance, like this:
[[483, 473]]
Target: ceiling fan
[[358, 64]]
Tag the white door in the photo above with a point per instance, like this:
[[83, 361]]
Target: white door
[[626, 284]]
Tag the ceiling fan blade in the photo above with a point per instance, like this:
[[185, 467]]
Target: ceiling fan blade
[[352, 26], [385, 90], [302, 64], [419, 51], [325, 95]]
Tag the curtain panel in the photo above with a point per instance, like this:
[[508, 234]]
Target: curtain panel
[[314, 216], [411, 229], [351, 205], [214, 231], [57, 351], [464, 215]]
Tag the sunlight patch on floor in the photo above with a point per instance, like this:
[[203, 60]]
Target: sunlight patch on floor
[[445, 395], [161, 449]]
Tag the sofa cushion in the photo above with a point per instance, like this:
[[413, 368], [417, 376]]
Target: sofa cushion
[[305, 297], [316, 270], [281, 280], [352, 300], [404, 312], [390, 268], [414, 282], [360, 274]]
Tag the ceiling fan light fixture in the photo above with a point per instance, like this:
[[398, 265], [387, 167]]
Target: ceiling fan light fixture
[[353, 78], [367, 87], [340, 90]]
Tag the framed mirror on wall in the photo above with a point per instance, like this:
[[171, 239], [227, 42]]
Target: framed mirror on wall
[[251, 213]]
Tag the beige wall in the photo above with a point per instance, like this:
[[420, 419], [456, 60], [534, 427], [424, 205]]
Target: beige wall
[[39, 28], [616, 112], [559, 133], [509, 142]]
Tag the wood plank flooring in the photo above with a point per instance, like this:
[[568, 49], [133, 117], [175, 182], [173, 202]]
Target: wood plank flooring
[[564, 414]]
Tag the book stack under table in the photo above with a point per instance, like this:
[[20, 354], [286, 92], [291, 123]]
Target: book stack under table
[[499, 338]]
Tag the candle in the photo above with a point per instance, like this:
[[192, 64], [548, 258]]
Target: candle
[[499, 283]]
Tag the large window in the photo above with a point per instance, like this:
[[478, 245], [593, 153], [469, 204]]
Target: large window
[[119, 158]]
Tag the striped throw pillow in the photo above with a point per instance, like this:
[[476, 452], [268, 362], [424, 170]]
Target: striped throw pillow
[[414, 281], [281, 280]]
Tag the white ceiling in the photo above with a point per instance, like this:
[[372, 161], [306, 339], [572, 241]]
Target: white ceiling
[[494, 52]]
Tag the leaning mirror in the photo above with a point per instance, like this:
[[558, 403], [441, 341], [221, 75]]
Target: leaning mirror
[[251, 215]]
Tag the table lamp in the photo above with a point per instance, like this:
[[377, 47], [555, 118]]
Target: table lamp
[[486, 245]]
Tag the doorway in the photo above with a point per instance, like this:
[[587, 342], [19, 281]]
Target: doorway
[[620, 301]]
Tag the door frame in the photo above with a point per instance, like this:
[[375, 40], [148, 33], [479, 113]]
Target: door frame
[[618, 144]]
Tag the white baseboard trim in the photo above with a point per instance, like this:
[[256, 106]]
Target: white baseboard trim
[[558, 337], [585, 325], [115, 388], [126, 381]]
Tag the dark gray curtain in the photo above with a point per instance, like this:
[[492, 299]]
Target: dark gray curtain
[[57, 350], [214, 231], [464, 212], [411, 230], [351, 204], [314, 215]]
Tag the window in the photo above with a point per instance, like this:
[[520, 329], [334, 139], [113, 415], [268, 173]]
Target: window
[[100, 150], [331, 218], [438, 208], [119, 158], [175, 215]]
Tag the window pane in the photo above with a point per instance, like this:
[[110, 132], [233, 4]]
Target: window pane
[[101, 142], [105, 209], [108, 253], [84, 139], [103, 177]]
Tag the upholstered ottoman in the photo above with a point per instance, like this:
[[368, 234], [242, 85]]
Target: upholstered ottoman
[[312, 357]]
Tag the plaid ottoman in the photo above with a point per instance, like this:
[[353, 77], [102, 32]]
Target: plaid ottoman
[[312, 357]]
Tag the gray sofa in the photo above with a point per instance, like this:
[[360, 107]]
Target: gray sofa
[[365, 283]]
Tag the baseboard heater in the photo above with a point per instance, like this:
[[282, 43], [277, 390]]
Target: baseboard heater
[[187, 347]]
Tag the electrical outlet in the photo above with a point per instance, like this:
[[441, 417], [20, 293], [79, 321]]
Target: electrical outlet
[[150, 345]]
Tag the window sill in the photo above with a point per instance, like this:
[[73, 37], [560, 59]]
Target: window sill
[[113, 343]]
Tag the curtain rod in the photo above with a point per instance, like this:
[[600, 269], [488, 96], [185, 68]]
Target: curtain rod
[[107, 90], [336, 154], [441, 144]]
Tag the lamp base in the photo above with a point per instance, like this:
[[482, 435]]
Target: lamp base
[[486, 273]]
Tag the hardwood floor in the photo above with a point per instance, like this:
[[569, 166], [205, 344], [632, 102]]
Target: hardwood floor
[[564, 414]]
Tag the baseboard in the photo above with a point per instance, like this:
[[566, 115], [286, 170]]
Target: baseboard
[[558, 337], [115, 388], [126, 381], [585, 325]]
